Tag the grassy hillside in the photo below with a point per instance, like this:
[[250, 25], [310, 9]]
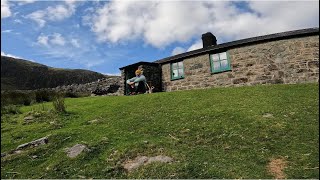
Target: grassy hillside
[[21, 74], [213, 133]]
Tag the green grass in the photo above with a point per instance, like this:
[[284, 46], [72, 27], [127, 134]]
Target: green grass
[[212, 133]]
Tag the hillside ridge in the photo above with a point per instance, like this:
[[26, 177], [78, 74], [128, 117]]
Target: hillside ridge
[[20, 74]]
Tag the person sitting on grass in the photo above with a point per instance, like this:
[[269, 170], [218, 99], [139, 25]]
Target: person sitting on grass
[[137, 85]]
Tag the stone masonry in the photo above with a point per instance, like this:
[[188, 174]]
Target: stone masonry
[[286, 61], [111, 86]]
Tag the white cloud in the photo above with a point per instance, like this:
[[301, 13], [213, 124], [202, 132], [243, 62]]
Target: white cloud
[[59, 12], [10, 55], [18, 21], [51, 40], [23, 2], [196, 45], [38, 17], [112, 74], [160, 23], [75, 43], [93, 63], [7, 31], [14, 56], [53, 13], [5, 9], [69, 48], [177, 50], [43, 40], [57, 39]]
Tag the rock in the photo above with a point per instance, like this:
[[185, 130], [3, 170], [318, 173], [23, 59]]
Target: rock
[[144, 160], [240, 80], [268, 115], [76, 150], [3, 154], [163, 159], [17, 152], [93, 121], [37, 142], [313, 64], [113, 88], [137, 162]]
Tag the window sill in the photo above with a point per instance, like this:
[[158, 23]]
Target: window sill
[[177, 79], [218, 72]]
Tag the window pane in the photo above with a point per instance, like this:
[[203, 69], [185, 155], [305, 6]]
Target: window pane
[[216, 65], [215, 57], [180, 72], [180, 64], [174, 66], [224, 64], [175, 73], [223, 55]]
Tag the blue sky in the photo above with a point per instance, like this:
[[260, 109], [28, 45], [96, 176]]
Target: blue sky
[[103, 36]]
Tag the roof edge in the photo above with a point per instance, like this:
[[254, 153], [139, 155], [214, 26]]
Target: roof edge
[[139, 63], [257, 39]]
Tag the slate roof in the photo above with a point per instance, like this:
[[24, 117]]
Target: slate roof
[[140, 63]]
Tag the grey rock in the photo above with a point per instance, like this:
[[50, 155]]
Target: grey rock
[[163, 159], [75, 150], [137, 162], [144, 160], [268, 115], [37, 142]]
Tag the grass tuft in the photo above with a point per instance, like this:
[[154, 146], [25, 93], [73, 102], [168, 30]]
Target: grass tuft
[[58, 104]]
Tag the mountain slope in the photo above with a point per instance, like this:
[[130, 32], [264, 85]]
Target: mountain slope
[[218, 133], [22, 74]]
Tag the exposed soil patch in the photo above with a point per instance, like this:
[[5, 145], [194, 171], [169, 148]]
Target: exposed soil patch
[[276, 168]]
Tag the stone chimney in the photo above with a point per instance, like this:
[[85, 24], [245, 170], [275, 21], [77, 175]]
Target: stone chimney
[[208, 39]]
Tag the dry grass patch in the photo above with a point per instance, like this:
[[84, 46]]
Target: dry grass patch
[[276, 168]]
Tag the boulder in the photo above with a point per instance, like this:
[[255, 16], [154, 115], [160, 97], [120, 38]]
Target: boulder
[[37, 142], [144, 160], [75, 150]]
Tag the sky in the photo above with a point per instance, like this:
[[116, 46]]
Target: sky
[[103, 36]]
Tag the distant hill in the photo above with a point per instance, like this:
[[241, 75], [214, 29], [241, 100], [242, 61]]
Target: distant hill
[[26, 75]]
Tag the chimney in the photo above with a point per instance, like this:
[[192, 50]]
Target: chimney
[[208, 39]]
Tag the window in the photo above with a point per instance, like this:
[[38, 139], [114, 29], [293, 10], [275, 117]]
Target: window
[[177, 70], [219, 62]]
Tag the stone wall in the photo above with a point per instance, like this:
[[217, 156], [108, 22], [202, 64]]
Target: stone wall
[[122, 82], [108, 86], [284, 61]]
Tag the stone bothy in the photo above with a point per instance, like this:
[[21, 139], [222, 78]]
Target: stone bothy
[[287, 57]]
